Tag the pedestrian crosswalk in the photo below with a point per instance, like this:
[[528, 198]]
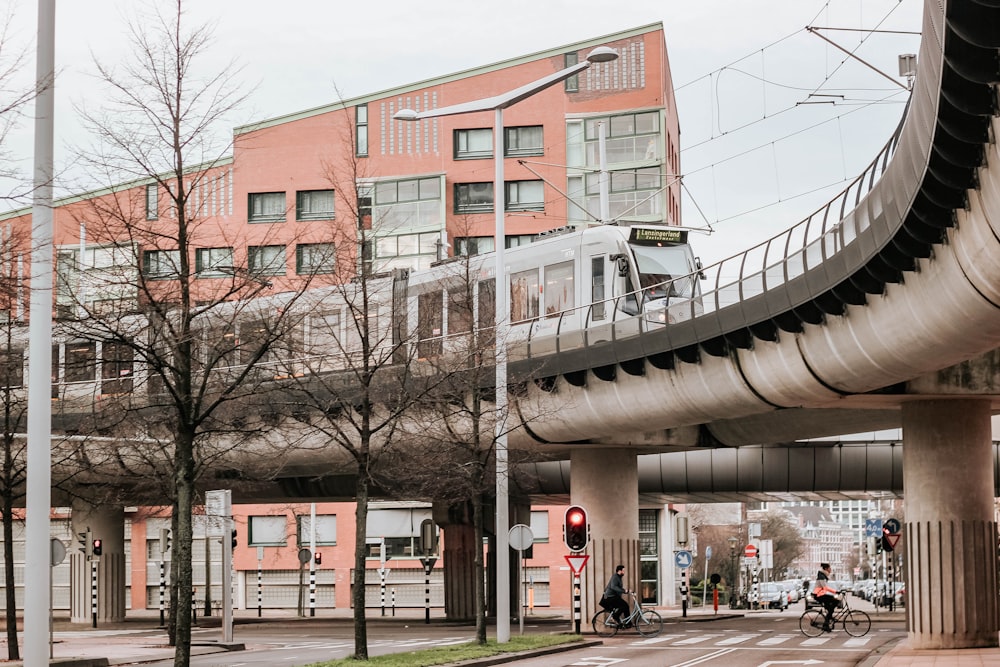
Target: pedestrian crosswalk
[[745, 639]]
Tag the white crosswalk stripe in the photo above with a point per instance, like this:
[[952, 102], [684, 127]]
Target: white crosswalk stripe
[[777, 639], [736, 640], [855, 642]]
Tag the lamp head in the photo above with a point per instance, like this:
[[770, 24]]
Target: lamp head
[[602, 54], [405, 114]]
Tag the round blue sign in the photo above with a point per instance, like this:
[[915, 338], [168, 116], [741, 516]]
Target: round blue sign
[[683, 559]]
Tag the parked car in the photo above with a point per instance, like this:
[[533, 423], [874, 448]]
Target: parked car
[[794, 588], [773, 596]]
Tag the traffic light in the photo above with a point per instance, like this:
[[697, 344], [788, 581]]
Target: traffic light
[[235, 541], [87, 543], [97, 547], [576, 529], [164, 540], [884, 543], [318, 558]]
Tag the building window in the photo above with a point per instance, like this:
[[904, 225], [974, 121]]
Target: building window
[[314, 205], [152, 204], [326, 530], [473, 144], [267, 531], [632, 137], [213, 261], [467, 246], [398, 529], [473, 197], [361, 130], [649, 565], [266, 207], [520, 141], [266, 260], [365, 193], [409, 204], [415, 251], [313, 258], [161, 264], [540, 525], [525, 196], [572, 84]]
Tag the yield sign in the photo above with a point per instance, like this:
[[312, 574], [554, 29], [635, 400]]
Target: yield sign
[[577, 562], [893, 540]]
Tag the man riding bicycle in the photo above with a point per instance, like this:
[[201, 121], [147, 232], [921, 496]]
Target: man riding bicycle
[[825, 594], [613, 592]]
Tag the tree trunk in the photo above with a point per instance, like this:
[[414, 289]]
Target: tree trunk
[[181, 558], [480, 579], [360, 551]]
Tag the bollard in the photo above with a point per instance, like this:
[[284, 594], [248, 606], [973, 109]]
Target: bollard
[[393, 601]]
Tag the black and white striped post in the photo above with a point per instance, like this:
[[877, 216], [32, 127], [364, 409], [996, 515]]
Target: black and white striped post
[[260, 581], [576, 602], [93, 593], [163, 586], [684, 592], [312, 588], [428, 563], [381, 576]]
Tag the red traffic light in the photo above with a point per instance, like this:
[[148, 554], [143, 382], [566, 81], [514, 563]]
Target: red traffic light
[[576, 530], [98, 548]]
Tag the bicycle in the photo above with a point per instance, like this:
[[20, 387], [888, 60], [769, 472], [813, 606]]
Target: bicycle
[[647, 622], [856, 622]]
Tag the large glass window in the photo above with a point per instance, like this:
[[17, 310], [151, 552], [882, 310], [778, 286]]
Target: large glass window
[[559, 287], [80, 362], [266, 207], [407, 204], [313, 258], [459, 311], [524, 296], [152, 204], [326, 529], [630, 137], [473, 144], [266, 260], [314, 205], [525, 196], [473, 197], [649, 562], [414, 251], [540, 525], [361, 130], [214, 261], [12, 367], [636, 194], [267, 531], [572, 84], [523, 141], [161, 263]]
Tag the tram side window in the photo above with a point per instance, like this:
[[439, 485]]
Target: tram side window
[[459, 311], [559, 289], [524, 296], [12, 367], [81, 363], [597, 294], [116, 368], [486, 317], [430, 317]]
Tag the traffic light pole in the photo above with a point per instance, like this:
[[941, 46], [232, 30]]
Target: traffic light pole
[[576, 601], [93, 592]]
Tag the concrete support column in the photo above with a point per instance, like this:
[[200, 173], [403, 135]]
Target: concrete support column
[[950, 533], [107, 523], [605, 481], [459, 560]]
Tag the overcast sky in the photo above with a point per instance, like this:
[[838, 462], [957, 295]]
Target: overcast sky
[[747, 140]]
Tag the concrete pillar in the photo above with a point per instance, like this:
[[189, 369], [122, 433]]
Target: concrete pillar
[[458, 555], [107, 523], [605, 481], [949, 532]]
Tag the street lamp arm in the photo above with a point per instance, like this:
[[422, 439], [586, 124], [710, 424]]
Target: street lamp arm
[[504, 100]]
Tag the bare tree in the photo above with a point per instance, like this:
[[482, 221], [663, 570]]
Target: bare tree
[[133, 286]]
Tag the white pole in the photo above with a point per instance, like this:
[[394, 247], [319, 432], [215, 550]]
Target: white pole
[[500, 346], [38, 499], [312, 561], [604, 178], [227, 576]]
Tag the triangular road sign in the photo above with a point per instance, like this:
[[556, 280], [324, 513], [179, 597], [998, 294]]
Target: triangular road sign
[[893, 540], [577, 562]]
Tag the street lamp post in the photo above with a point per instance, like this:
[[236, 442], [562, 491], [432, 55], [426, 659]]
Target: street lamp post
[[497, 104], [732, 557]]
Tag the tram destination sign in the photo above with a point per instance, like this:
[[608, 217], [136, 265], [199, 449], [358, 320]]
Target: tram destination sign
[[654, 236]]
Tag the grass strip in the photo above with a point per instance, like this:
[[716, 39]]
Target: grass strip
[[444, 655]]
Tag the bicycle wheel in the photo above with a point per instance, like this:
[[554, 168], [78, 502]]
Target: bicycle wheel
[[649, 623], [857, 623], [811, 623], [603, 624]]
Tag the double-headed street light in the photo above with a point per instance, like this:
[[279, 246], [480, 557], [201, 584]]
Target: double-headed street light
[[497, 104]]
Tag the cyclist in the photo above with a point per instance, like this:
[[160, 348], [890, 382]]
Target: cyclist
[[613, 592], [825, 594]]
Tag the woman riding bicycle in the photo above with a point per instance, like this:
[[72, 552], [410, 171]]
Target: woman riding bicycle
[[825, 594]]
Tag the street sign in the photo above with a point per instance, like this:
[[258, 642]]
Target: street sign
[[520, 537], [683, 559], [873, 527], [892, 526], [750, 551], [577, 562], [708, 553], [893, 540]]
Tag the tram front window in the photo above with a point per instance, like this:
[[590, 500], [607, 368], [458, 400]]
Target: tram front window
[[657, 265]]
